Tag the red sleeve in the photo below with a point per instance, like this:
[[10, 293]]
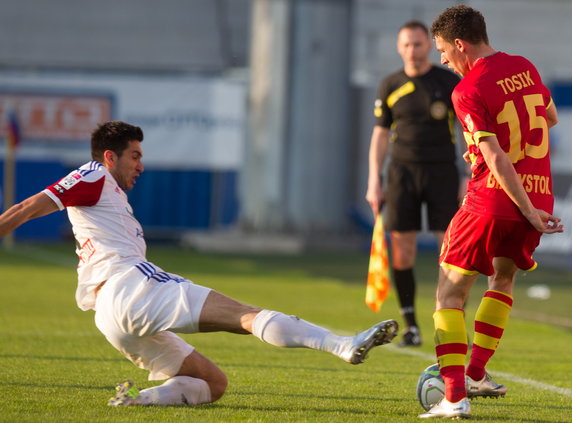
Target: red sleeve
[[75, 190], [472, 113]]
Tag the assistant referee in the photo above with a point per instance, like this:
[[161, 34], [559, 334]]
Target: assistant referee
[[414, 115]]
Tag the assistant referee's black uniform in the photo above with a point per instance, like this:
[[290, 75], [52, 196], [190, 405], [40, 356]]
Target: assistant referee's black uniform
[[422, 166]]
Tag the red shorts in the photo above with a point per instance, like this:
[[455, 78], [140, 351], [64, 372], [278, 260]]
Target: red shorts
[[472, 241]]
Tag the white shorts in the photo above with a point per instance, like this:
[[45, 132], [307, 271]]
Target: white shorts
[[139, 310]]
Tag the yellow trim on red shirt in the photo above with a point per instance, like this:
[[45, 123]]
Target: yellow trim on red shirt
[[481, 134], [550, 104], [459, 269], [534, 266]]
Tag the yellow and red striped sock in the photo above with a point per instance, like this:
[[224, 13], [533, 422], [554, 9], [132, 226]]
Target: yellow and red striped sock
[[490, 322], [451, 350]]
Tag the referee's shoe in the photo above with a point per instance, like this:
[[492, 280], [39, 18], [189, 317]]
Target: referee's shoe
[[411, 337]]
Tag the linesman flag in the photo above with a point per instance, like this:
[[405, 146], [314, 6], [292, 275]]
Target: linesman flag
[[378, 272]]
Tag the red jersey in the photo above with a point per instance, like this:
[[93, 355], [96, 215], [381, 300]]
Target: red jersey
[[503, 95]]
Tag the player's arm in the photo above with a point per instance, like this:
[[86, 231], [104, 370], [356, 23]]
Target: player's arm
[[31, 208], [505, 174], [551, 115], [464, 168], [377, 152]]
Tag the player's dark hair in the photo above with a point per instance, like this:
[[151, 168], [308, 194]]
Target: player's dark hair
[[414, 24], [462, 22], [115, 136]]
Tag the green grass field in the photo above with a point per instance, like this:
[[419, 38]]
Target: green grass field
[[56, 366]]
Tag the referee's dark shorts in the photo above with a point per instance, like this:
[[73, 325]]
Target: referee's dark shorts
[[410, 184]]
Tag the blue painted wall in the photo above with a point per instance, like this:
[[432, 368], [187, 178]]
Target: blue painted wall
[[562, 93], [163, 200], [185, 199], [32, 177]]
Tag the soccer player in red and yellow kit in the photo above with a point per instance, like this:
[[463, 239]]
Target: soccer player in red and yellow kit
[[505, 111]]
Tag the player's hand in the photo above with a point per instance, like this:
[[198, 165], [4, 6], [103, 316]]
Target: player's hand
[[375, 198], [545, 222], [463, 183], [466, 157]]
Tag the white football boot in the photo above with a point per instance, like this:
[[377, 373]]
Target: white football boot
[[451, 410], [127, 394], [486, 387], [357, 348]]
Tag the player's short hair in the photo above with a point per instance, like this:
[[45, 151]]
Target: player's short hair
[[415, 24], [115, 136], [462, 22]]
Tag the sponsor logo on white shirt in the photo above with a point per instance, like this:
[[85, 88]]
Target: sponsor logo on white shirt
[[70, 180]]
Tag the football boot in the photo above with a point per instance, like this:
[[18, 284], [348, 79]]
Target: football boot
[[486, 387], [411, 338], [127, 394], [451, 410], [357, 348]]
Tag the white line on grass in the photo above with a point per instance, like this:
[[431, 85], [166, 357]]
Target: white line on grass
[[509, 376]]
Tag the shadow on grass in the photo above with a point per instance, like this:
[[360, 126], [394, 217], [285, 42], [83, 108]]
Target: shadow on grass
[[328, 397], [347, 369], [298, 410], [227, 365], [55, 358], [56, 386]]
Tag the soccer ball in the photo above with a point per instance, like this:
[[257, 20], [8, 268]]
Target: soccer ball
[[430, 387]]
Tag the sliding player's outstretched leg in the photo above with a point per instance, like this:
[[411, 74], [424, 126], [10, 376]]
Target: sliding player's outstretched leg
[[292, 332], [273, 327]]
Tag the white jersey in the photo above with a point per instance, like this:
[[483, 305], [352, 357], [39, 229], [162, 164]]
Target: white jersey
[[109, 240]]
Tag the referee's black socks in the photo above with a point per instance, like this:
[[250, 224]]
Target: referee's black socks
[[405, 285]]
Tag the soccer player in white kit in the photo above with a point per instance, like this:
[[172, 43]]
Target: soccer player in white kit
[[138, 306]]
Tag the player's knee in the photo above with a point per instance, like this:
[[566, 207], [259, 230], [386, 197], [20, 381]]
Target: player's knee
[[502, 283], [218, 386]]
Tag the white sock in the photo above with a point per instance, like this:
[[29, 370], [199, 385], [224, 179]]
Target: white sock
[[292, 332], [177, 390]]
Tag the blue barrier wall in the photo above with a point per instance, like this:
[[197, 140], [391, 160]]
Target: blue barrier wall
[[185, 199], [165, 201], [32, 177], [562, 93]]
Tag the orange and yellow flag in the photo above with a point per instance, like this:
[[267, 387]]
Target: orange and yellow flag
[[378, 272]]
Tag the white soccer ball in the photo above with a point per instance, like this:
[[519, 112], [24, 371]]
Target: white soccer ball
[[430, 387]]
